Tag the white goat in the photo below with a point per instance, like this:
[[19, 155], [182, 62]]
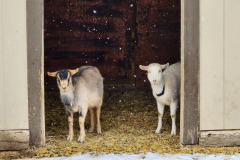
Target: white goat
[[165, 88], [81, 89]]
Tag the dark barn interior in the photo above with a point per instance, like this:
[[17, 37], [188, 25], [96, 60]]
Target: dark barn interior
[[115, 36]]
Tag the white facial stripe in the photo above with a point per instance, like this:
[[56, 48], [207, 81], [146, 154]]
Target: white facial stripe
[[58, 76], [58, 80], [68, 75]]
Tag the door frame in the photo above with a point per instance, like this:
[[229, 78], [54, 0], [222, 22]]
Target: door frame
[[190, 69], [189, 112], [35, 60]]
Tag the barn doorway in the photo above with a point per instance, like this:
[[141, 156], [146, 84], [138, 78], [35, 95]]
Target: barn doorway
[[115, 36]]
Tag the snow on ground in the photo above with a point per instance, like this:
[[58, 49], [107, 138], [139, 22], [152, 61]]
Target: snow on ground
[[148, 156]]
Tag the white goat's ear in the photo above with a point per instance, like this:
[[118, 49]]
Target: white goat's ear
[[164, 66], [52, 74], [74, 71], [144, 68]]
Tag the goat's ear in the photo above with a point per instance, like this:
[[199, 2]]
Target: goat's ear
[[144, 68], [52, 74], [74, 71], [164, 66]]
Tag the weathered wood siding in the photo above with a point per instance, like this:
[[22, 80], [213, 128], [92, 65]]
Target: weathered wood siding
[[14, 140], [219, 138]]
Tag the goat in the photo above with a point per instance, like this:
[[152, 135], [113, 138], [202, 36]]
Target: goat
[[165, 88], [81, 89]]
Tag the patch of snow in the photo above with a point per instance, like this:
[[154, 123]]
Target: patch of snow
[[147, 156]]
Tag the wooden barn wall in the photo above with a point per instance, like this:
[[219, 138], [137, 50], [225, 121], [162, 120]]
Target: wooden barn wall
[[158, 35], [87, 32], [114, 35]]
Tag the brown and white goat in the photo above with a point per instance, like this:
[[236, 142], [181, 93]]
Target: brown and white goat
[[81, 89]]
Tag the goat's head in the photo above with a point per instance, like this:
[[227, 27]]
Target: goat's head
[[154, 71], [64, 78]]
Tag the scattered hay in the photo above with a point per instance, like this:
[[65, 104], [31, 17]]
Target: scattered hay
[[128, 119]]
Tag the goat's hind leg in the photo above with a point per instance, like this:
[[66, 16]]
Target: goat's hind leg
[[173, 108], [98, 112], [93, 119]]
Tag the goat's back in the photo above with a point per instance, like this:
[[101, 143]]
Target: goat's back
[[172, 78], [174, 69], [88, 79]]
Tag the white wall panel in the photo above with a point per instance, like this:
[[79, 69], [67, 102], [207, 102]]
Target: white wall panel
[[211, 64], [232, 68], [13, 65], [219, 66]]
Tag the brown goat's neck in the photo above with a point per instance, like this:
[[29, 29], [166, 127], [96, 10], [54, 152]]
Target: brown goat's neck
[[67, 98]]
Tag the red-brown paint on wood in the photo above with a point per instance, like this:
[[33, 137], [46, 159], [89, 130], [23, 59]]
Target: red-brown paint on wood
[[86, 32], [112, 35], [158, 35]]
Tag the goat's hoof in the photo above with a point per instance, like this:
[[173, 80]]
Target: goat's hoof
[[81, 140], [90, 130], [157, 132], [173, 133], [69, 138], [99, 130]]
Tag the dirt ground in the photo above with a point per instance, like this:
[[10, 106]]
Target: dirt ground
[[128, 119]]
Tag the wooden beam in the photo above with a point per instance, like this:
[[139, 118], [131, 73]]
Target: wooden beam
[[189, 121], [36, 71], [14, 140], [219, 138]]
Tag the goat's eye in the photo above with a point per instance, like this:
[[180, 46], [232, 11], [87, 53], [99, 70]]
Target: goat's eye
[[58, 81], [159, 71]]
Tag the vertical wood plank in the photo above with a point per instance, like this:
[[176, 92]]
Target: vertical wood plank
[[189, 123], [35, 72], [211, 62], [232, 70]]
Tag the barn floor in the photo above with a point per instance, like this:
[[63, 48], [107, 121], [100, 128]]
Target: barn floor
[[128, 119]]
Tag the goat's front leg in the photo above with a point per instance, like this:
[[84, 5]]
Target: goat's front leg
[[70, 125], [173, 109], [92, 113], [82, 116], [160, 116]]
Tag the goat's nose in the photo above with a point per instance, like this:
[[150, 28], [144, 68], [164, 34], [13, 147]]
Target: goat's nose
[[154, 81], [64, 88]]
